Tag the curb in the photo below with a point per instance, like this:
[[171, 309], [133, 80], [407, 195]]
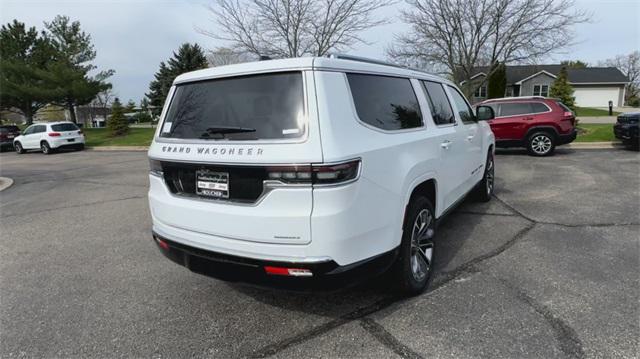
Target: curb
[[594, 145], [5, 182], [118, 148]]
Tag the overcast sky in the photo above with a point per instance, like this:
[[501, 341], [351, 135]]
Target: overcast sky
[[132, 37]]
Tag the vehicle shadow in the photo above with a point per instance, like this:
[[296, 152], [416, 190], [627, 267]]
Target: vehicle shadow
[[559, 151], [454, 233]]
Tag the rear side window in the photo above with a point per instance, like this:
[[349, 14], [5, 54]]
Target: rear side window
[[537, 107], [269, 106], [564, 107], [39, 128], [514, 109], [64, 127], [440, 107], [388, 103]]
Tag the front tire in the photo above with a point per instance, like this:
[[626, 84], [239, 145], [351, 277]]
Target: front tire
[[18, 147], [541, 144], [484, 189], [414, 265], [45, 148]]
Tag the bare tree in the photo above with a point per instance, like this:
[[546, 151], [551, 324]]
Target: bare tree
[[461, 35], [630, 67], [101, 103], [221, 56], [293, 28]]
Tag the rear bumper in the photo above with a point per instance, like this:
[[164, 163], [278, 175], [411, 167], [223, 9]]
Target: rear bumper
[[626, 132], [6, 144], [563, 139], [64, 143], [326, 274]]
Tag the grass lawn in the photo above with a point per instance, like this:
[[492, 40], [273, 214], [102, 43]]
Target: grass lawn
[[136, 137], [589, 132], [590, 112]]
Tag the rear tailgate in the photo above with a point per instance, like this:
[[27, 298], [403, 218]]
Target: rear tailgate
[[219, 184]]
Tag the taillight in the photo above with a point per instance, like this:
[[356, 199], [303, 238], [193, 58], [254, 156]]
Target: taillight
[[325, 174], [155, 168], [53, 134]]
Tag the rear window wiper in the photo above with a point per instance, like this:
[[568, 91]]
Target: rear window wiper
[[223, 130]]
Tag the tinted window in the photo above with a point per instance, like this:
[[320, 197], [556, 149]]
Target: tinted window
[[384, 102], [5, 129], [38, 129], [564, 107], [465, 112], [439, 103], [537, 107], [240, 108], [64, 127], [513, 109]]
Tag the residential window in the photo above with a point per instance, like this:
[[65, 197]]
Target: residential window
[[541, 90], [441, 110], [481, 92], [388, 103]]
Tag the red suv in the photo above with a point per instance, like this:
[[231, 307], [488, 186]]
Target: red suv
[[536, 123]]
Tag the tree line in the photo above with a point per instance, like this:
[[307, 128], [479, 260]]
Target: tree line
[[48, 67]]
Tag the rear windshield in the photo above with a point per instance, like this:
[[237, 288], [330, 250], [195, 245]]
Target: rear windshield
[[5, 129], [254, 107], [64, 127]]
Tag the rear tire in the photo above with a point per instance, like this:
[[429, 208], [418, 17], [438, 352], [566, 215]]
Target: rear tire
[[18, 147], [412, 270], [45, 148], [541, 144], [484, 189]]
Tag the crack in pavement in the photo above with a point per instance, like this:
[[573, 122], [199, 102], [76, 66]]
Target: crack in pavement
[[72, 206], [569, 342], [387, 339]]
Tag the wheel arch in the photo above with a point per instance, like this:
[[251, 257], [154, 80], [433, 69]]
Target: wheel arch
[[427, 187], [548, 128]]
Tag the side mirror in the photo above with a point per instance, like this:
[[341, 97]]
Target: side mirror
[[485, 113]]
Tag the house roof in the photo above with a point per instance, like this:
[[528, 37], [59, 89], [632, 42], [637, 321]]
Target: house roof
[[603, 75]]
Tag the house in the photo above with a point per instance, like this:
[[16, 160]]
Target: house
[[593, 86]]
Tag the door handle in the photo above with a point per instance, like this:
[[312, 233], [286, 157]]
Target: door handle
[[470, 137], [528, 118], [445, 144]]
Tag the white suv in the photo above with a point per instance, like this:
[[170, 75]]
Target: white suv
[[313, 171], [48, 137]]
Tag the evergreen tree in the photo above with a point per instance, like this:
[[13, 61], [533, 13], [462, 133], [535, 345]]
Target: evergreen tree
[[188, 58], [24, 55], [575, 64], [562, 90], [73, 55], [131, 106], [497, 82], [117, 124]]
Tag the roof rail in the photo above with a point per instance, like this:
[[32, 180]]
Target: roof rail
[[521, 98], [373, 61]]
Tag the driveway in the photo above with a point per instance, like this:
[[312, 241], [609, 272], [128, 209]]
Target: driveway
[[549, 268]]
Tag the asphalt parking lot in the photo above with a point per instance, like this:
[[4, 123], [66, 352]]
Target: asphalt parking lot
[[549, 268]]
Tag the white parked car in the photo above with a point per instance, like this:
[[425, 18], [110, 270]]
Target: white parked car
[[313, 171], [48, 137]]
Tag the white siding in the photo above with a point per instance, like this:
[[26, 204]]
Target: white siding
[[597, 96]]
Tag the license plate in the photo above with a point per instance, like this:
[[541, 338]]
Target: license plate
[[212, 184], [70, 140], [10, 136]]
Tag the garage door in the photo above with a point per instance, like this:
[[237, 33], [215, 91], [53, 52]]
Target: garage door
[[596, 96]]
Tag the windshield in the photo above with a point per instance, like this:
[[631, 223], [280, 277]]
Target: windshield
[[254, 107], [64, 127]]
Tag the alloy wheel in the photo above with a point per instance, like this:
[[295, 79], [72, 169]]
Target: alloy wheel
[[541, 144], [422, 245], [490, 176]]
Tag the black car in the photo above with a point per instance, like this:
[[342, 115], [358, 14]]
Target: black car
[[626, 128], [7, 134]]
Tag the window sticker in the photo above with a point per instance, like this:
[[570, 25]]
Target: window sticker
[[290, 131], [167, 127]]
